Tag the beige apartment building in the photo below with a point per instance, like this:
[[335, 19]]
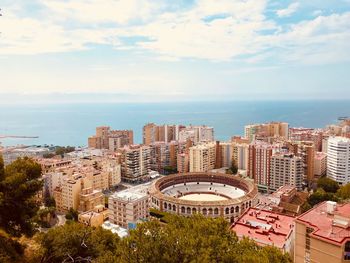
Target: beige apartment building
[[71, 188], [128, 207], [286, 169], [322, 234], [106, 138], [160, 133], [240, 154], [183, 163], [197, 134], [90, 198], [306, 150], [266, 130], [320, 163], [136, 163], [202, 157]]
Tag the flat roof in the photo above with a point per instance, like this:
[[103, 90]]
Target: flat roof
[[323, 222], [264, 227]]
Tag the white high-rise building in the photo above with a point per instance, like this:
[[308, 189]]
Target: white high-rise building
[[338, 159]]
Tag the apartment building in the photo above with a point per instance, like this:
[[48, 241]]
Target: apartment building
[[164, 154], [240, 154], [160, 133], [322, 234], [136, 163], [306, 150], [202, 157], [266, 228], [259, 163], [266, 131], [90, 198], [128, 207], [320, 164], [338, 159], [286, 169], [197, 134], [307, 134], [106, 138], [71, 188], [183, 163]]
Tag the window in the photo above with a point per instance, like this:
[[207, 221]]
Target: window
[[347, 251]]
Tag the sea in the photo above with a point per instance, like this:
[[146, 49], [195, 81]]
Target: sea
[[71, 124]]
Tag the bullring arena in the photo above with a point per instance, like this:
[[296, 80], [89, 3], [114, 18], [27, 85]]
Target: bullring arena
[[211, 194]]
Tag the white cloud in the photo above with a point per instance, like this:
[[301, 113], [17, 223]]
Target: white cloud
[[234, 29], [321, 40], [291, 9]]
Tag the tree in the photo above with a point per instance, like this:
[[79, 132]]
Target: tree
[[2, 168], [18, 189], [48, 155], [193, 239], [344, 192], [327, 184], [62, 150], [320, 195], [72, 214], [74, 242], [233, 169], [10, 250]]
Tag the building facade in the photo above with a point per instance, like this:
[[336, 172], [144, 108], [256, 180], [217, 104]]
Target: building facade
[[286, 169], [338, 159]]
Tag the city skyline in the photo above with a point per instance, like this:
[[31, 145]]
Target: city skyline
[[147, 51]]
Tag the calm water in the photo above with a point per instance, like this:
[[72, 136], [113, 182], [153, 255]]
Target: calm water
[[71, 124]]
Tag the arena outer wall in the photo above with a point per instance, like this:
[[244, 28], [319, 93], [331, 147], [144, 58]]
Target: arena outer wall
[[230, 209]]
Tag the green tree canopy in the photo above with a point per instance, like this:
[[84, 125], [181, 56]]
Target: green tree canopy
[[319, 196], [344, 192], [73, 242], [193, 239], [72, 214], [18, 188], [327, 184]]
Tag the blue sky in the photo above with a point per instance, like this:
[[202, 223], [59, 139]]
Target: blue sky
[[152, 50]]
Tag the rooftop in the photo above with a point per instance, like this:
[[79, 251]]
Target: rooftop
[[133, 193], [333, 227], [264, 227]]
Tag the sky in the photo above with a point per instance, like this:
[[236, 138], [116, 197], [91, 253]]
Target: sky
[[185, 50]]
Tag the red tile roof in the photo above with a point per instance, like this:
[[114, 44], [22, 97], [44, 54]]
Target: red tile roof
[[323, 223], [264, 227]]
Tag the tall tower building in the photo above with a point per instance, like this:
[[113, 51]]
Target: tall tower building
[[136, 163], [202, 157], [259, 163], [286, 169], [338, 159]]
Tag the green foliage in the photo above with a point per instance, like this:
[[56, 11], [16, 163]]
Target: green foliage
[[233, 169], [344, 192], [193, 239], [62, 150], [305, 207], [2, 168], [170, 170], [48, 155], [320, 195], [10, 250], [78, 242], [328, 185], [49, 201], [18, 188], [72, 215]]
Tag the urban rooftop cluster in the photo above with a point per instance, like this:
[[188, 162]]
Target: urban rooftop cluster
[[259, 182]]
